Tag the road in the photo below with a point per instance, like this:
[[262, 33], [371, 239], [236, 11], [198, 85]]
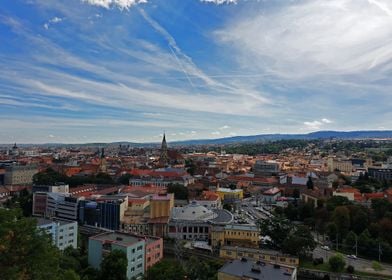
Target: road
[[359, 264]]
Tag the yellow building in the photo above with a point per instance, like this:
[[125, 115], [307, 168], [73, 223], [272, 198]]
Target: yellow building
[[137, 206], [227, 194], [161, 205], [235, 235], [269, 256]]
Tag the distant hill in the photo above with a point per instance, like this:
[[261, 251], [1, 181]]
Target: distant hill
[[360, 134], [371, 134]]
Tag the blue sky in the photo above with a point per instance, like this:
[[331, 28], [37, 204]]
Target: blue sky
[[77, 71]]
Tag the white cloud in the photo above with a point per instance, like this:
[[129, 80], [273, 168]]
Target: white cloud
[[232, 134], [220, 2], [317, 124], [215, 133], [313, 125], [54, 20], [304, 39], [51, 136], [224, 127], [121, 4], [324, 120]]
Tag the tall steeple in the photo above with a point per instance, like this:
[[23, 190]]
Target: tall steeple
[[163, 159]]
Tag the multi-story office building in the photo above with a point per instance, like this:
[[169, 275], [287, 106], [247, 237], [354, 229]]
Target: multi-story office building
[[55, 205], [19, 174], [133, 246], [343, 165], [105, 214], [63, 233], [265, 168], [57, 188], [381, 174]]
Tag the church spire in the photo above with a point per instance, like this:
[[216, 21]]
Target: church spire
[[163, 159]]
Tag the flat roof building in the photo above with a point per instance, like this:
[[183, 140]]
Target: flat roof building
[[246, 269]]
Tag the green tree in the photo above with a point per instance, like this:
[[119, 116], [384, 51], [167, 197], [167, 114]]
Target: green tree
[[364, 241], [48, 177], [166, 269], [124, 179], [341, 218], [114, 266], [309, 183], [25, 251], [336, 201], [276, 228], [70, 275], [360, 221], [350, 240], [336, 263], [180, 192], [380, 207], [201, 270], [299, 242]]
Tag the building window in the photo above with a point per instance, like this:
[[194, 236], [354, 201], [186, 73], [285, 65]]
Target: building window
[[139, 248], [139, 265], [228, 252], [139, 257]]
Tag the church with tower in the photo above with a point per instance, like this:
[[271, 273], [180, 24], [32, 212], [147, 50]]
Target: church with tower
[[169, 157]]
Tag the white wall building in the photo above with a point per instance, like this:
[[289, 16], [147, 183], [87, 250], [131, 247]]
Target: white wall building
[[64, 233]]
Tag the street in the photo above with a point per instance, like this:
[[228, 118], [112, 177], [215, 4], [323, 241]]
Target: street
[[359, 264]]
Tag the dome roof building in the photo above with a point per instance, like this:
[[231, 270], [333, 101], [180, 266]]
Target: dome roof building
[[194, 221]]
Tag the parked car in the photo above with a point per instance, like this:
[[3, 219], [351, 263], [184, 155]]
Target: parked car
[[352, 257], [325, 247]]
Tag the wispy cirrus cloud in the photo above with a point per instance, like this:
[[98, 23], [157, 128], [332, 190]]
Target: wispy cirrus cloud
[[220, 2], [53, 20], [316, 38], [121, 4]]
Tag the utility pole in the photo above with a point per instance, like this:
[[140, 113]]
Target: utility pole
[[379, 252], [356, 246], [337, 241]]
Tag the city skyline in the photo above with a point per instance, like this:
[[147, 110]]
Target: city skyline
[[126, 70]]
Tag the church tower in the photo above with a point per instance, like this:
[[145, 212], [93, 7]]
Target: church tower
[[102, 166], [163, 159]]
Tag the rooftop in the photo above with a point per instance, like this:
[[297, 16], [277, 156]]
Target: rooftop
[[242, 227], [118, 238]]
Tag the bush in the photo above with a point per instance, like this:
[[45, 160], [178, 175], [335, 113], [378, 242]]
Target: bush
[[318, 261], [350, 269], [377, 266], [337, 263]]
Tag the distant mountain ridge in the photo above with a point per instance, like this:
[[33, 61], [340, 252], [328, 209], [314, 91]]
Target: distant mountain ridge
[[360, 134], [344, 135]]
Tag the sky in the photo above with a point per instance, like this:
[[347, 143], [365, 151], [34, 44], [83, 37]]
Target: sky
[[77, 71]]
